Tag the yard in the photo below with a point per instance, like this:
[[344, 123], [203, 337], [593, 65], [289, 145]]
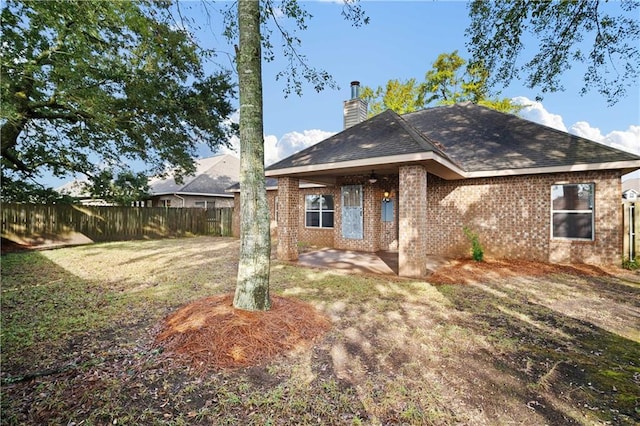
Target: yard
[[488, 344]]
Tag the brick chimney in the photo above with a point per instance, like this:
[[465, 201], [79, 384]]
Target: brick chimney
[[355, 109]]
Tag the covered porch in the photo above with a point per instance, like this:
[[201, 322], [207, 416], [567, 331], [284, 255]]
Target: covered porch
[[375, 198], [379, 218]]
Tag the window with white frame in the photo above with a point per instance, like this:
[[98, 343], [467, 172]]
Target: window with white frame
[[572, 211], [318, 211]]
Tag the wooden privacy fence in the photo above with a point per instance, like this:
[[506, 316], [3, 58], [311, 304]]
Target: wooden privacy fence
[[631, 230], [219, 221], [100, 223]]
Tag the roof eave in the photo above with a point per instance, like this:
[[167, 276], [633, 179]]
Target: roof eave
[[197, 194], [442, 166], [624, 166]]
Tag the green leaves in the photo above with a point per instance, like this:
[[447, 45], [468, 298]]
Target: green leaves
[[122, 189], [567, 32], [86, 87], [447, 82]]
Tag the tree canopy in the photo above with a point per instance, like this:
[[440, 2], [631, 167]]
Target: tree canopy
[[450, 80], [123, 189], [567, 33], [86, 88]]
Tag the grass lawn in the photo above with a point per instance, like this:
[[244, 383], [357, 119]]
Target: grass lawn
[[78, 326]]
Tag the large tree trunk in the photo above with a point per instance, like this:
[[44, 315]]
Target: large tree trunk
[[252, 287]]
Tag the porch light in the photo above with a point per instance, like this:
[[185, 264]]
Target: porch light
[[373, 178], [385, 196]]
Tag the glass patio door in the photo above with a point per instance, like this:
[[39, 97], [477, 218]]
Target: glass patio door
[[352, 212]]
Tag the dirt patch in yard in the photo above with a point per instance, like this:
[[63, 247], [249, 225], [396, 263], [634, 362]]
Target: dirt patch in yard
[[210, 334], [465, 271]]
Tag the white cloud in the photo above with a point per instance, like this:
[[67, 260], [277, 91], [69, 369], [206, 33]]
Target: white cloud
[[536, 112], [290, 143], [584, 129], [276, 149], [626, 140]]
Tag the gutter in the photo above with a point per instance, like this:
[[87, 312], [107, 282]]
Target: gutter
[[179, 197]]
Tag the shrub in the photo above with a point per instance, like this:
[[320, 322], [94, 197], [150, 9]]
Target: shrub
[[631, 264], [477, 253]]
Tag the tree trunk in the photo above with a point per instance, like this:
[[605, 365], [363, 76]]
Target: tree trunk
[[252, 287]]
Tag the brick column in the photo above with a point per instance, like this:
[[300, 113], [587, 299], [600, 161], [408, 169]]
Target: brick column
[[412, 216], [288, 220]]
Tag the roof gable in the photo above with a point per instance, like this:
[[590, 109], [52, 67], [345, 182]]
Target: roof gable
[[213, 175], [383, 135]]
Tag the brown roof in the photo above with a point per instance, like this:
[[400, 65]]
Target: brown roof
[[475, 139], [380, 136], [213, 176], [480, 139]]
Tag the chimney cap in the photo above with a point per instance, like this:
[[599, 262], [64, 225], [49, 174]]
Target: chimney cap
[[355, 83]]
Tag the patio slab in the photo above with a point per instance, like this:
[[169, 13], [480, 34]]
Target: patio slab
[[381, 263]]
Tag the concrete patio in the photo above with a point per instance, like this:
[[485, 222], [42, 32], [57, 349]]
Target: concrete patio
[[380, 263]]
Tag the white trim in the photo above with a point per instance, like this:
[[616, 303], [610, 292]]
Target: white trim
[[631, 164], [592, 211], [432, 156], [319, 211], [368, 163]]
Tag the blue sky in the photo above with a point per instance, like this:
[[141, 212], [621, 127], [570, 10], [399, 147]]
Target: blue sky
[[401, 41]]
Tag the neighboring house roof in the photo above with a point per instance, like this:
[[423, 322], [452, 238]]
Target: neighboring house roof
[[631, 189], [631, 184], [213, 175], [457, 141], [75, 188]]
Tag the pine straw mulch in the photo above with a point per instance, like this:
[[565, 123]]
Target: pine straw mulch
[[210, 334], [466, 271]]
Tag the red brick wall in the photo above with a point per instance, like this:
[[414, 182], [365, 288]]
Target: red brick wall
[[389, 230], [319, 237], [413, 209], [512, 216], [288, 218]]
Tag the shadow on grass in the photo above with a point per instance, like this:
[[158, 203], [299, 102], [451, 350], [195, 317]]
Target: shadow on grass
[[571, 367], [399, 352]]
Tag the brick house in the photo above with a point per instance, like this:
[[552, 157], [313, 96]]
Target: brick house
[[411, 183]]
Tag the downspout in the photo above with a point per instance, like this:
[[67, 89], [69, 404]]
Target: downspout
[[180, 198]]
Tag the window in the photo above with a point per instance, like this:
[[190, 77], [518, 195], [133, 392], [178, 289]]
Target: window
[[572, 211], [166, 203], [318, 211], [387, 210], [200, 204]]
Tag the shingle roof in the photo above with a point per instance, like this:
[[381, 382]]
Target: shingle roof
[[480, 139], [213, 175], [472, 137], [384, 135]]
